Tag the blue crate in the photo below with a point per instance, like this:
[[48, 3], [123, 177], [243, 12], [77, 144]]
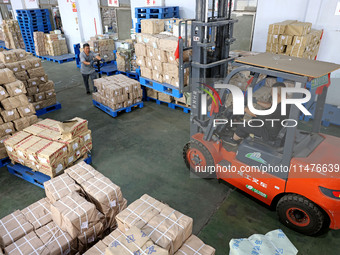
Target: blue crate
[[170, 105], [48, 109], [4, 161], [113, 113], [59, 59], [29, 175], [161, 87]]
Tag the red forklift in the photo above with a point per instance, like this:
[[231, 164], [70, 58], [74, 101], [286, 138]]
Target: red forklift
[[306, 193]]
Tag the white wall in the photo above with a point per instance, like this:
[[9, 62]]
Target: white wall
[[17, 5], [32, 4], [320, 13], [186, 7], [79, 26]]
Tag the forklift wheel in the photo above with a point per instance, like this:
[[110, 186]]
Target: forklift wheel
[[300, 214], [195, 154]]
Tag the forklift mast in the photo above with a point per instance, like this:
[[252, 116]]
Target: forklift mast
[[211, 37]]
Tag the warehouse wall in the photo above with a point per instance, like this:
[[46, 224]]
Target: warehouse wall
[[320, 13], [79, 26], [187, 7]]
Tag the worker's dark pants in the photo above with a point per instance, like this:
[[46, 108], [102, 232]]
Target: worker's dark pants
[[244, 132], [86, 77]]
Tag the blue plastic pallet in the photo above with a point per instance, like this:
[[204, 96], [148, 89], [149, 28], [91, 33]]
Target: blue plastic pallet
[[29, 175], [141, 16], [113, 113], [59, 59], [156, 9], [4, 161], [161, 87], [32, 11], [49, 109], [170, 105]]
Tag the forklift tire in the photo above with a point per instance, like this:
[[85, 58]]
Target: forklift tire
[[195, 153], [300, 214]]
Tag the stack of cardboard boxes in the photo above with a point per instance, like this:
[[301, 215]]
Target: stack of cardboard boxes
[[55, 44], [103, 46], [50, 146], [39, 43], [12, 34], [293, 38], [79, 209], [40, 91], [117, 91], [17, 112]]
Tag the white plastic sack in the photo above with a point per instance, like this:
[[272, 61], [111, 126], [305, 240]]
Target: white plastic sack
[[273, 243]]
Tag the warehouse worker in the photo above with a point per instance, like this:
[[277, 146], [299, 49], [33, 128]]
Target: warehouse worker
[[87, 59], [269, 131]]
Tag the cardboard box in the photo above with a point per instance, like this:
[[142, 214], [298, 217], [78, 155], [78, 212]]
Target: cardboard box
[[146, 72], [160, 55], [152, 26], [140, 49], [21, 124], [273, 39], [56, 240], [26, 110], [90, 237], [71, 128], [74, 214], [3, 93], [165, 97], [6, 76], [171, 69], [46, 86], [36, 72], [98, 248], [193, 246], [285, 39], [10, 115], [106, 195], [169, 229], [148, 63], [139, 213], [298, 28], [303, 41], [169, 44], [8, 57], [140, 243], [12, 141], [157, 76], [13, 227], [15, 88], [29, 244], [82, 172], [279, 27], [22, 75], [14, 102], [6, 129], [60, 187], [157, 66], [38, 213]]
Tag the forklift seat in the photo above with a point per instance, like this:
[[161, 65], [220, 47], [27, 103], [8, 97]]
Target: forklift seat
[[277, 143]]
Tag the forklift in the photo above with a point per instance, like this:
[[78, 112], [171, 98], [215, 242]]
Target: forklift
[[307, 195]]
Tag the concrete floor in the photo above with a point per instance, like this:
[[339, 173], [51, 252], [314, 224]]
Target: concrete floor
[[142, 152]]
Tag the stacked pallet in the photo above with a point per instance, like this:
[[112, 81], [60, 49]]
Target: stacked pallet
[[156, 57], [117, 91], [31, 21], [40, 91], [293, 38], [55, 44], [50, 146], [79, 209], [12, 35], [161, 13], [103, 46], [17, 112]]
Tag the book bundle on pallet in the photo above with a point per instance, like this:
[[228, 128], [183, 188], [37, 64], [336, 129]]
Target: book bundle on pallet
[[293, 38], [12, 34], [31, 77], [81, 212]]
